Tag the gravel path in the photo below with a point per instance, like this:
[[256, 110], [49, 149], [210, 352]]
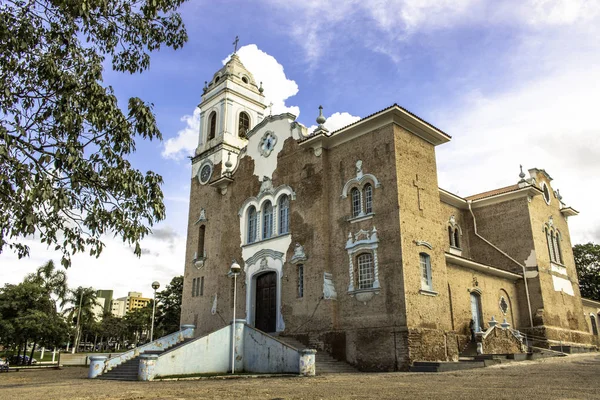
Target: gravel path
[[573, 377]]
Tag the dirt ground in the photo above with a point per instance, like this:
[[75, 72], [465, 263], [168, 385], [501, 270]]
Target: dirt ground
[[573, 377]]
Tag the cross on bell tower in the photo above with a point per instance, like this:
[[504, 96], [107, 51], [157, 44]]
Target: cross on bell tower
[[235, 44]]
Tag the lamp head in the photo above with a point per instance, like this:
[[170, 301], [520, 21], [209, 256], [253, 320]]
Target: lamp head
[[235, 268], [155, 285]]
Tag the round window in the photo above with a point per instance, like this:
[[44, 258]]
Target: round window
[[546, 192], [244, 79]]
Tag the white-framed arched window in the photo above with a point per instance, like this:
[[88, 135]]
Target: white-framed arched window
[[284, 214], [365, 271], [267, 215], [425, 265], [553, 239], [361, 191], [251, 236], [267, 220]]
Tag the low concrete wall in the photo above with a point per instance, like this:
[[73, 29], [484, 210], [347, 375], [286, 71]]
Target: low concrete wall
[[265, 354], [255, 351], [205, 355]]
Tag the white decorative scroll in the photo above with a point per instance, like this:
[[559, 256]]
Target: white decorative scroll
[[329, 292], [213, 310]]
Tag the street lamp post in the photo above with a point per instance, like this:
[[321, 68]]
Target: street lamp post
[[234, 271], [155, 286]]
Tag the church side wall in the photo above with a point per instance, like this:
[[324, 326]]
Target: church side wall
[[462, 281], [430, 336], [591, 309]]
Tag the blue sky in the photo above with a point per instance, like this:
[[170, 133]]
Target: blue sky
[[513, 83]]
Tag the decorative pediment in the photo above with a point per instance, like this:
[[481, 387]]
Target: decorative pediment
[[359, 180], [299, 255]]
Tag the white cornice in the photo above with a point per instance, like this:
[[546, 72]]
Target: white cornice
[[488, 269], [569, 211], [452, 199]]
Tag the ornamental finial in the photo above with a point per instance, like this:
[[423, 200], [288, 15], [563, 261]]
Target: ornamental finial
[[321, 119], [522, 174], [260, 89]]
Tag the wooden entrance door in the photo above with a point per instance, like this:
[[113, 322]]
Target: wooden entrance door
[[266, 302]]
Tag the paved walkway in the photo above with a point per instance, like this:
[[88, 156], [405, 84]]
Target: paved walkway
[[573, 377]]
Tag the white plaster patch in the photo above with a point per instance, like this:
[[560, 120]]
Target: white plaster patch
[[562, 285], [266, 165], [531, 261], [558, 268]]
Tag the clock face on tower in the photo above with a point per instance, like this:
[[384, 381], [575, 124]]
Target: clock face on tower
[[267, 143], [205, 173]]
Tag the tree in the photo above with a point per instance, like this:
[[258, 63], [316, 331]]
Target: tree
[[587, 263], [53, 280], [64, 140], [28, 314], [168, 307], [87, 298]]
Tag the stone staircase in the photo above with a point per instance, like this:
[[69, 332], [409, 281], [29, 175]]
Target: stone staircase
[[325, 364], [128, 371]]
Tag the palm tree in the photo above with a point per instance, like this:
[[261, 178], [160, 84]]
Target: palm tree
[[53, 280], [85, 298]]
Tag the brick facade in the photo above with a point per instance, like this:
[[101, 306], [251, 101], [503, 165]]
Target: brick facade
[[396, 321]]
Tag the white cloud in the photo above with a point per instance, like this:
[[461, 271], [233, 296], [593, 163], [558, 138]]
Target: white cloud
[[550, 122], [117, 268], [186, 140], [337, 121], [380, 25], [266, 69]]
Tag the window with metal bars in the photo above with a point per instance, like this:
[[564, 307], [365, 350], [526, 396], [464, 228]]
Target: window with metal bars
[[356, 208], [368, 195], [267, 220], [300, 280], [365, 270], [425, 263], [252, 225], [284, 214]]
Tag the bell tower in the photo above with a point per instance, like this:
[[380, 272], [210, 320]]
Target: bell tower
[[232, 104]]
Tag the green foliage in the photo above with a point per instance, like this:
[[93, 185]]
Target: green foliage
[[64, 140], [88, 300], [28, 314], [53, 280], [587, 263], [168, 307]]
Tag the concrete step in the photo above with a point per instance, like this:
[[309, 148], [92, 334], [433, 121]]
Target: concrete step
[[324, 362], [432, 366]]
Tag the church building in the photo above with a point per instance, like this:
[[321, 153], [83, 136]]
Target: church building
[[348, 245]]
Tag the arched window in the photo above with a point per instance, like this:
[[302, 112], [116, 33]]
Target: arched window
[[550, 244], [356, 209], [284, 214], [201, 232], [212, 125], [450, 236], [456, 238], [368, 193], [558, 255], [594, 326], [252, 225], [365, 271], [243, 125], [267, 220], [425, 263]]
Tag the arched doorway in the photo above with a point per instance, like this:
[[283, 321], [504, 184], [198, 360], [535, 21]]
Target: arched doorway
[[266, 302], [476, 311]]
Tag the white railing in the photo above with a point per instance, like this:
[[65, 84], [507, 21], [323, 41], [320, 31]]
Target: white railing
[[162, 343]]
